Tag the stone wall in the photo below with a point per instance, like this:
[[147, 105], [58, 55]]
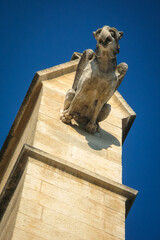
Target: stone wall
[[58, 181], [57, 205]]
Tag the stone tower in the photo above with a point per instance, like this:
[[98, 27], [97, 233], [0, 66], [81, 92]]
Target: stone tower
[[56, 180]]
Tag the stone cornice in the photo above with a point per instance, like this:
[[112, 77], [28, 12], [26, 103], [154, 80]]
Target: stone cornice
[[30, 151]]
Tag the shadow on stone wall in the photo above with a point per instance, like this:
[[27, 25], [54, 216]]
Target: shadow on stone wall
[[98, 141]]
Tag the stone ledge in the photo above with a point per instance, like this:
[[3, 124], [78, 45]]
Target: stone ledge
[[29, 151], [58, 70]]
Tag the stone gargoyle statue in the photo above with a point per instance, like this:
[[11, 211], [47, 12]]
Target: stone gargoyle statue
[[97, 78]]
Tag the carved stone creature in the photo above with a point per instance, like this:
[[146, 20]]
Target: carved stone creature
[[97, 78]]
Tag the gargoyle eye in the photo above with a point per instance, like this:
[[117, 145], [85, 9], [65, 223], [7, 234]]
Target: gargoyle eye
[[98, 32], [113, 34]]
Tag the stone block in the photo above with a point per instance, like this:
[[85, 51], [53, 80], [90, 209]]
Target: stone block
[[20, 234], [77, 201], [30, 208], [37, 197], [43, 230], [32, 182]]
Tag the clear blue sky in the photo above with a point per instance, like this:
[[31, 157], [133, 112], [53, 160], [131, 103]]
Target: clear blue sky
[[39, 34]]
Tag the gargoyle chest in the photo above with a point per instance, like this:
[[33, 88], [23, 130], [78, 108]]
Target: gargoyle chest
[[98, 85]]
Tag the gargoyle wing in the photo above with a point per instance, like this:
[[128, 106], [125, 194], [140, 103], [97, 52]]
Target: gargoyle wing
[[121, 71], [86, 56]]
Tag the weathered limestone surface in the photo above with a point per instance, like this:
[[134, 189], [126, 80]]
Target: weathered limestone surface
[[57, 204], [25, 134], [8, 221], [66, 183]]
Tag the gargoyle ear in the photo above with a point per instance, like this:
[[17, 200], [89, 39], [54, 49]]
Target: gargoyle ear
[[120, 35], [97, 32], [94, 34]]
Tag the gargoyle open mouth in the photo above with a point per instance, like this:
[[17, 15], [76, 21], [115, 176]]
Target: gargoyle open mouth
[[106, 42]]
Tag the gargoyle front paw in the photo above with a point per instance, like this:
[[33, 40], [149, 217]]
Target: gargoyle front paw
[[88, 54], [65, 117], [91, 127], [123, 67]]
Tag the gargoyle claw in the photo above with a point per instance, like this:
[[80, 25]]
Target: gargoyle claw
[[91, 127], [76, 116], [65, 117]]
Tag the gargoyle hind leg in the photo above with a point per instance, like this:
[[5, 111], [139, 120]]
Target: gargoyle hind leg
[[92, 126], [69, 113], [66, 118], [104, 112]]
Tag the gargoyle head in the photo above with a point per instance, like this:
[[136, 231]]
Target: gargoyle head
[[108, 40]]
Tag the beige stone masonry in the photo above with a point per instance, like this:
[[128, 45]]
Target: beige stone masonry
[[57, 181], [67, 204], [8, 220], [40, 173], [66, 201]]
